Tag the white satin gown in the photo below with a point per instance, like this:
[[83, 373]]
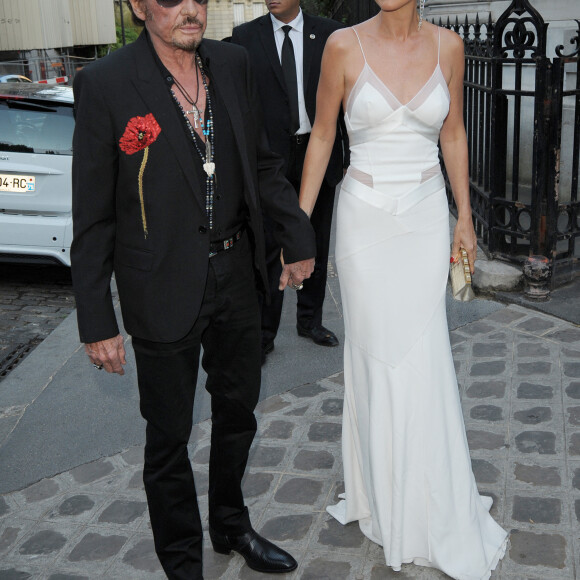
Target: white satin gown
[[407, 470]]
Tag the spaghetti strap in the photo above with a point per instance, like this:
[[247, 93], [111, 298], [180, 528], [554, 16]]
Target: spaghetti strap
[[360, 44], [439, 47]]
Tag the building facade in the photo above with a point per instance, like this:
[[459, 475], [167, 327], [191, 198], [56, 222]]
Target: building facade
[[46, 39], [38, 37], [223, 15]]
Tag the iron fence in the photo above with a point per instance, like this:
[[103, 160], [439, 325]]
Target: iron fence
[[522, 117], [563, 212], [516, 100]]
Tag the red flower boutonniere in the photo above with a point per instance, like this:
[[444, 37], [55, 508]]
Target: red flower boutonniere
[[139, 134]]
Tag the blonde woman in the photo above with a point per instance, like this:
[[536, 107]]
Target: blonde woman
[[407, 469]]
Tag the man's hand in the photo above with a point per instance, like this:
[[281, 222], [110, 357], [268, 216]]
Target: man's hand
[[294, 274], [108, 354]]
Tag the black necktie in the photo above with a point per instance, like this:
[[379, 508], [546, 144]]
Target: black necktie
[[289, 69]]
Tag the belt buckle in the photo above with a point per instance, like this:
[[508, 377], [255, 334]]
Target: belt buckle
[[226, 244]]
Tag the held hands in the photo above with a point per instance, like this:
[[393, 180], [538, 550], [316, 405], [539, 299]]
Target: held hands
[[294, 274], [464, 237], [108, 354]]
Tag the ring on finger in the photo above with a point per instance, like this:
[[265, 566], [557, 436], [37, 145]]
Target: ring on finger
[[98, 366]]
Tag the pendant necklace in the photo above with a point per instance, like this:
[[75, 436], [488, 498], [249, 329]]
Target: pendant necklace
[[197, 113], [207, 126]]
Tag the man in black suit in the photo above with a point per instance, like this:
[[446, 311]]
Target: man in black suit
[[171, 174], [285, 49]]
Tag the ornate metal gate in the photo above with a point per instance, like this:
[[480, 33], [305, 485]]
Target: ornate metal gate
[[522, 116], [563, 211], [516, 102]]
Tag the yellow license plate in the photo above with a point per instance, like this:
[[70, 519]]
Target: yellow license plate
[[17, 183]]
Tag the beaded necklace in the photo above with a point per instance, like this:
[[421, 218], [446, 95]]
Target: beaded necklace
[[207, 157]]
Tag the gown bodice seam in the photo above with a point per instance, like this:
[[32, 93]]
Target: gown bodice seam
[[399, 105]]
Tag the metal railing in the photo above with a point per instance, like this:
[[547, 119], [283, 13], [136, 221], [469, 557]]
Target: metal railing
[[522, 117], [524, 147]]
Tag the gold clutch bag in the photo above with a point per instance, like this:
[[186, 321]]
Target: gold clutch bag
[[460, 277]]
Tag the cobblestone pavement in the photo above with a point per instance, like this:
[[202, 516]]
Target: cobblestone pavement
[[519, 374], [34, 300]]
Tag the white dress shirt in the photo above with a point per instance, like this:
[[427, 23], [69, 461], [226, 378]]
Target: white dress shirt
[[296, 37]]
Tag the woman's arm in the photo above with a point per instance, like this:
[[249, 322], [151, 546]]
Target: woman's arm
[[328, 100], [454, 147]]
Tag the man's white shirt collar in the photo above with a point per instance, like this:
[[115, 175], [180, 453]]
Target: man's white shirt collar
[[297, 24]]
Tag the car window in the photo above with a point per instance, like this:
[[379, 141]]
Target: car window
[[26, 127]]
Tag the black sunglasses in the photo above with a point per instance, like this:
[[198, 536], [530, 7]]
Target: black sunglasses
[[174, 3]]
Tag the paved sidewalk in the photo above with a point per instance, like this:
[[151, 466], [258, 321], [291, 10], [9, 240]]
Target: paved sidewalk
[[34, 300], [519, 374]]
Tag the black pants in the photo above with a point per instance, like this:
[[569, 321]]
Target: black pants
[[311, 298], [228, 328]]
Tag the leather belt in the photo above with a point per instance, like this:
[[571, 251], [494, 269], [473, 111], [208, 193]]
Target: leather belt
[[300, 139], [227, 244]]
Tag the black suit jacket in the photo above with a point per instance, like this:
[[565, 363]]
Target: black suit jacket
[[257, 37], [161, 276]]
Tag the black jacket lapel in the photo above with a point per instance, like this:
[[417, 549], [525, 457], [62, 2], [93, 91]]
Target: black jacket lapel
[[269, 44], [308, 44], [154, 92]]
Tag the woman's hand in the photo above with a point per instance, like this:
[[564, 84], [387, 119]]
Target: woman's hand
[[464, 237]]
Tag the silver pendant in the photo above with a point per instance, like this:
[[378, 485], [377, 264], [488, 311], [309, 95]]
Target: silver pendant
[[209, 167], [196, 116]]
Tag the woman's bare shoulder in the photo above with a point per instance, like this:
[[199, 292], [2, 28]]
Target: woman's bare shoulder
[[341, 41], [451, 42]]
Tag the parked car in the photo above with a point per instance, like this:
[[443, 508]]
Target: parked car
[[14, 79], [36, 128]]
